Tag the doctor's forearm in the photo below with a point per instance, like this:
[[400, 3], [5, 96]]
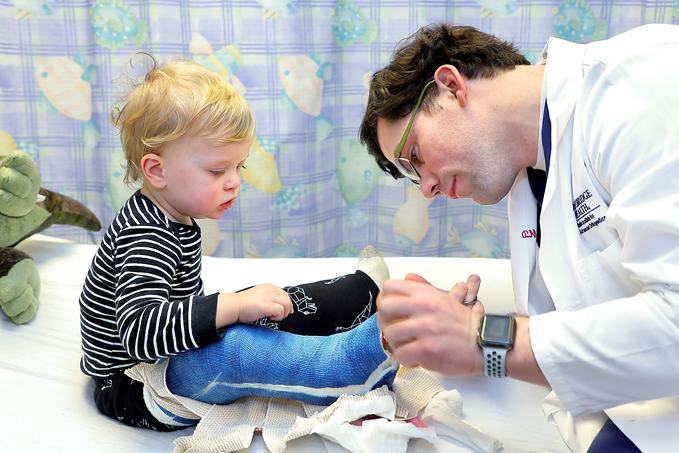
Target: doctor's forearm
[[521, 362]]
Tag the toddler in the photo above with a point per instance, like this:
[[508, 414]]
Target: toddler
[[186, 134]]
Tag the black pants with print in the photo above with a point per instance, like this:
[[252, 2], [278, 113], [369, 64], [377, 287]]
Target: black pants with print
[[122, 398], [328, 306]]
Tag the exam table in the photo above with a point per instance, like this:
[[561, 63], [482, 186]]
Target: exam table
[[47, 403]]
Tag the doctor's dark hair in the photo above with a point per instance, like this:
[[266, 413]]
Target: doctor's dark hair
[[159, 103], [394, 90]]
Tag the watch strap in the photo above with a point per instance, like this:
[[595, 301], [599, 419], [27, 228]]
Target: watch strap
[[494, 362]]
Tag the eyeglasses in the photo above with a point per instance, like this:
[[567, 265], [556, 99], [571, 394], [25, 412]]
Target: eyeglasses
[[402, 163]]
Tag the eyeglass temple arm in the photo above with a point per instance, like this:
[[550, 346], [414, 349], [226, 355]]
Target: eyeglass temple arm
[[402, 143]]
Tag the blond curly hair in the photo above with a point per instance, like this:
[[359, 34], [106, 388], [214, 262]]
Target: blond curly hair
[[169, 101]]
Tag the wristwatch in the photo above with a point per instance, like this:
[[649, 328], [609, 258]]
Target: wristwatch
[[495, 335]]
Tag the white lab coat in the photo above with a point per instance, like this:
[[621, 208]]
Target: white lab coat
[[612, 274]]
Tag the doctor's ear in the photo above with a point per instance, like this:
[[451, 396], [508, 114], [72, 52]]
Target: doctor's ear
[[152, 167], [449, 80]]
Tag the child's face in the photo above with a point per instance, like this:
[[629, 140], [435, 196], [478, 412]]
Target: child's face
[[202, 179]]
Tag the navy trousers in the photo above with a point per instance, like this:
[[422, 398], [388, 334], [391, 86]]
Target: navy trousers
[[611, 440]]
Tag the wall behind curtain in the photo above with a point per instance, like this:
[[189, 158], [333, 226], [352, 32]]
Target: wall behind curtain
[[310, 189]]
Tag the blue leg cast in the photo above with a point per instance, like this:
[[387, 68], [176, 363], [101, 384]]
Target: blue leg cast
[[255, 360]]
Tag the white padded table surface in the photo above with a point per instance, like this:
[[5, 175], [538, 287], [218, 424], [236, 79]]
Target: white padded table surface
[[46, 402]]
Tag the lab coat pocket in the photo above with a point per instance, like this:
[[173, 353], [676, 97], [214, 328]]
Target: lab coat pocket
[[602, 277]]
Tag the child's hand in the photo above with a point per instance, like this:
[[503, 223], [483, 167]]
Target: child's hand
[[252, 304], [264, 300]]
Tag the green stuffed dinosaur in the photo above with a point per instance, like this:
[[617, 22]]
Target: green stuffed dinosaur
[[27, 209]]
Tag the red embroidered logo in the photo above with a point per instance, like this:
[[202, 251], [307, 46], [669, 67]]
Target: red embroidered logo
[[525, 234]]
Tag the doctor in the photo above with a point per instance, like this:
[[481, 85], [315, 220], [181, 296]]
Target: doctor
[[586, 144]]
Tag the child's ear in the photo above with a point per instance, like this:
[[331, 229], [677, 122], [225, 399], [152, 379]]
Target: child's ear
[[152, 167]]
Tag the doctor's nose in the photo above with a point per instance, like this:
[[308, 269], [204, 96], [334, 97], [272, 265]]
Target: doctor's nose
[[429, 185]]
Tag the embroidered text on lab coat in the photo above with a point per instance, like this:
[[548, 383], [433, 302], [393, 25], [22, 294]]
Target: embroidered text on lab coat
[[584, 213]]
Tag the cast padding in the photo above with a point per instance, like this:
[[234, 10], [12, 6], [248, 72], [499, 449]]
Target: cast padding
[[256, 360]]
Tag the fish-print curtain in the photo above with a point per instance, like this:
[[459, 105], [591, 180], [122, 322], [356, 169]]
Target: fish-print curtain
[[310, 189]]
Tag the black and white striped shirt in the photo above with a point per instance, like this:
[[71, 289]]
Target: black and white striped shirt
[[143, 296]]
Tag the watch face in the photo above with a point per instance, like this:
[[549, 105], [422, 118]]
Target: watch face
[[498, 331]]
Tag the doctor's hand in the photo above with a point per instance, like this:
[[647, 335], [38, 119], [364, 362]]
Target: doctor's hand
[[471, 289], [429, 327]]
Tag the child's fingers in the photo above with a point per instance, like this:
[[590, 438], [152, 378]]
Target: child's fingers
[[277, 312], [458, 292], [416, 278], [278, 315], [478, 307], [286, 306], [473, 285], [286, 302]]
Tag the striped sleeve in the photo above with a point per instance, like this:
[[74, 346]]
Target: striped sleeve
[[156, 314]]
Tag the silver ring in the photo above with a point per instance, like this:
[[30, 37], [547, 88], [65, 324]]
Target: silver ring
[[469, 302]]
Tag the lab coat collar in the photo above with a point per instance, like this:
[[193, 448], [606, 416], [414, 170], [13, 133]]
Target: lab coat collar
[[563, 81], [561, 78]]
